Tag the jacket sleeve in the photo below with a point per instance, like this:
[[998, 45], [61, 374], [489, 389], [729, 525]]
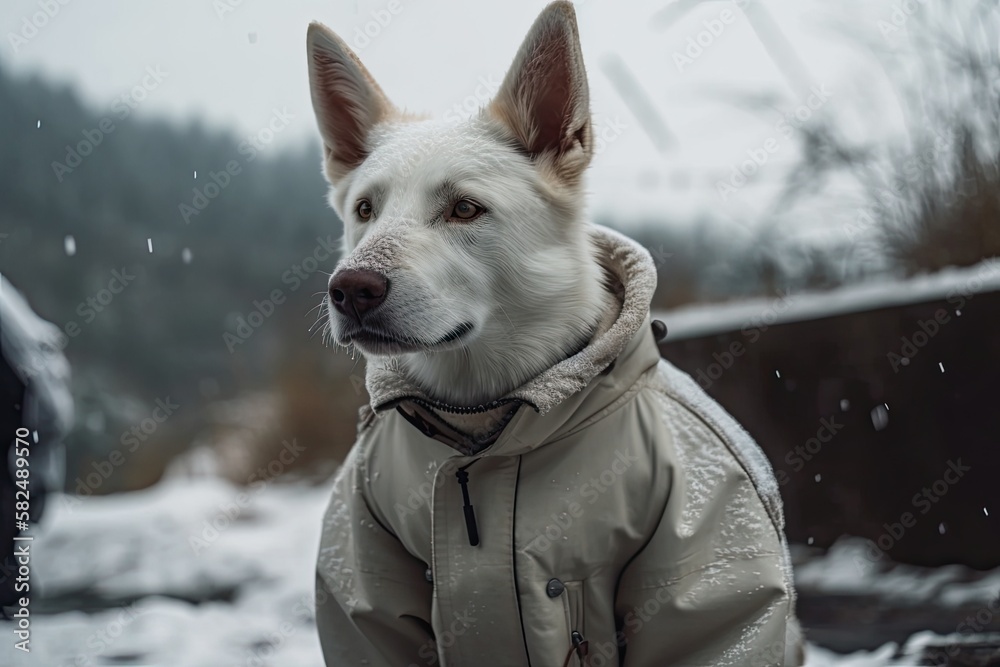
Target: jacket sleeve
[[372, 600], [710, 587]]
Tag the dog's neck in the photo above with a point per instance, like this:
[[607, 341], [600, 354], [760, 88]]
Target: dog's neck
[[519, 344]]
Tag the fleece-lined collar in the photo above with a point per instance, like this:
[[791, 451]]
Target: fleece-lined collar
[[628, 264]]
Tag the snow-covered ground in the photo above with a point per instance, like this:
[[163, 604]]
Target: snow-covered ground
[[208, 575], [195, 572], [847, 568]]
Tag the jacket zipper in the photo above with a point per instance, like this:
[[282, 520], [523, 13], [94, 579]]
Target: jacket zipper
[[575, 611], [470, 513], [461, 410], [517, 590]]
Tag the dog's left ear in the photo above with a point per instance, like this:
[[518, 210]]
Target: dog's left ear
[[544, 100]]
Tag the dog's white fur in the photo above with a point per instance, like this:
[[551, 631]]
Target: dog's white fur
[[523, 274]]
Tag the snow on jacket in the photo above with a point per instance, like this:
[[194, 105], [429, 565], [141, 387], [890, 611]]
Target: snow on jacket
[[621, 517]]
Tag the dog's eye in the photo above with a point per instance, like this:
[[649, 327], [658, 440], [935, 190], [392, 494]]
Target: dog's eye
[[364, 210], [465, 210]]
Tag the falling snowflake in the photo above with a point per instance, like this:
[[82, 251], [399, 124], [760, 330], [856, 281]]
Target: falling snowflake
[[880, 416], [818, 477], [844, 404], [149, 244], [941, 366], [186, 255], [69, 244], [39, 124]]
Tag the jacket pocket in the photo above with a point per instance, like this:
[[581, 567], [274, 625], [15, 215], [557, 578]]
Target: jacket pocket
[[574, 605]]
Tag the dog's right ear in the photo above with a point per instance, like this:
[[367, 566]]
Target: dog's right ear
[[347, 101]]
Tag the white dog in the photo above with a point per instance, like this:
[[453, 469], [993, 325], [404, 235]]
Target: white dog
[[610, 512]]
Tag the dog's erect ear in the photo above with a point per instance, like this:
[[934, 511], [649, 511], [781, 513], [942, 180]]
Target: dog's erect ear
[[544, 99], [347, 101]]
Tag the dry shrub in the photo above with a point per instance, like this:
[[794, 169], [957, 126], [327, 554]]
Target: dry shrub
[[938, 202], [300, 431]]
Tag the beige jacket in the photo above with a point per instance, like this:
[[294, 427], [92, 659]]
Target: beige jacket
[[621, 517]]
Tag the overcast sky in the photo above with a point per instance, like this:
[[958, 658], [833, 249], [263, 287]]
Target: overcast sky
[[232, 62]]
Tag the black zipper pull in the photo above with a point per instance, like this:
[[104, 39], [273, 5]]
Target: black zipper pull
[[470, 513], [581, 644]]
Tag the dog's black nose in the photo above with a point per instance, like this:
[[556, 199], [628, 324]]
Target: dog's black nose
[[354, 292]]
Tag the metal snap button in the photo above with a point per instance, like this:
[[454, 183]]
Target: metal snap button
[[555, 588]]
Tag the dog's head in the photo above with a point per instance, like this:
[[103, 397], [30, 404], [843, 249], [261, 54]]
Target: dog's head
[[457, 232]]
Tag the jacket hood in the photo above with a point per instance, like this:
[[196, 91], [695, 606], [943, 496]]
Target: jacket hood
[[615, 357]]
